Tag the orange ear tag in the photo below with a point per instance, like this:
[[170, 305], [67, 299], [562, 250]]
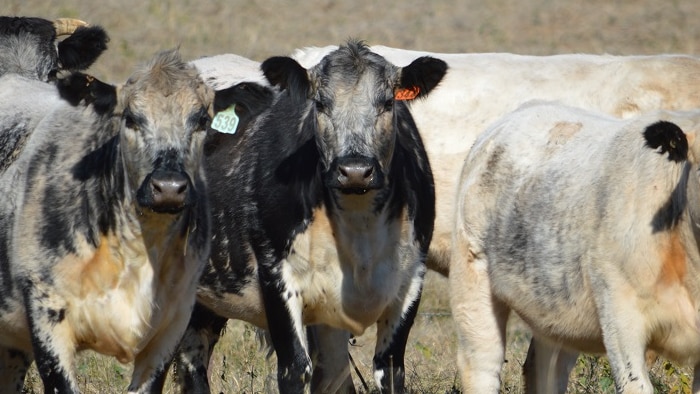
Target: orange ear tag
[[407, 93]]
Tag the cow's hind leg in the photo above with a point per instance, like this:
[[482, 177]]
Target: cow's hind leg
[[547, 367], [696, 379], [480, 322], [328, 348], [624, 336], [13, 368], [191, 362]]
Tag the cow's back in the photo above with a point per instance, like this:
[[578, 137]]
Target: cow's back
[[23, 104]]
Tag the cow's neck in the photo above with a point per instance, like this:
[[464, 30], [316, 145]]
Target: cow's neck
[[363, 233]]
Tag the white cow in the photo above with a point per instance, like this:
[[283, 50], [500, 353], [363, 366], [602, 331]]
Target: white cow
[[587, 227]]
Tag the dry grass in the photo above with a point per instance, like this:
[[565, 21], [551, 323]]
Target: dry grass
[[261, 28], [258, 29]]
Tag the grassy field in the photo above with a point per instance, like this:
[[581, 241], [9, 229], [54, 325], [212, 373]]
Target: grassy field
[[258, 29]]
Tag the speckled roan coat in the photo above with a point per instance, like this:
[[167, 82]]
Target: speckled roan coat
[[335, 160], [104, 221], [586, 226]]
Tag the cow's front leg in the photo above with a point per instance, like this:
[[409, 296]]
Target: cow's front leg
[[283, 306], [191, 362], [13, 368], [153, 361], [547, 367], [393, 328], [52, 338], [331, 360]]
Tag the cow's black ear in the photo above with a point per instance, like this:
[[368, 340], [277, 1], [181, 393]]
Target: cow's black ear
[[420, 77], [254, 97], [82, 48], [224, 98], [668, 137], [286, 73], [78, 87]]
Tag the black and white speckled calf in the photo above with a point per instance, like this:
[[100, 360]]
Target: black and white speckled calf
[[104, 221]]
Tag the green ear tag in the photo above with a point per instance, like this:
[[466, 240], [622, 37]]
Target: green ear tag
[[226, 121]]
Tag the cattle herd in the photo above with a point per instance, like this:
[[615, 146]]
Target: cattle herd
[[308, 195]]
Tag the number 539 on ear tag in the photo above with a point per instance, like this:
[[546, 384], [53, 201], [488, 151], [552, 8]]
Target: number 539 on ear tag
[[226, 121]]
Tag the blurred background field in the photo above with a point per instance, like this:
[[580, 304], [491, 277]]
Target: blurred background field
[[261, 28], [258, 29]]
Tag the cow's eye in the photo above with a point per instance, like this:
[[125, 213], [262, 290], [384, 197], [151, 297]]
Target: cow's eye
[[130, 122], [204, 122], [53, 74], [320, 107], [388, 105]]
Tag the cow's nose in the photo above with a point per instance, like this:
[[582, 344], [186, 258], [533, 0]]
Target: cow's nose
[[355, 174], [169, 190]]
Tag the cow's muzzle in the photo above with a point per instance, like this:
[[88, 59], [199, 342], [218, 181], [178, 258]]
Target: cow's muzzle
[[166, 191], [355, 175]]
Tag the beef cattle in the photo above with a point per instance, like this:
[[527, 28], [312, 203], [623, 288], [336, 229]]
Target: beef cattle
[[104, 221], [586, 226], [29, 46], [335, 160], [481, 87]]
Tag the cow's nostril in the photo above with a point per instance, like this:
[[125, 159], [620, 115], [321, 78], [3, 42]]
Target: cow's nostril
[[355, 175], [169, 187], [356, 172]]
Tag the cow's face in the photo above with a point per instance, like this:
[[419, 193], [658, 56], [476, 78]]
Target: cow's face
[[355, 106], [166, 109]]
